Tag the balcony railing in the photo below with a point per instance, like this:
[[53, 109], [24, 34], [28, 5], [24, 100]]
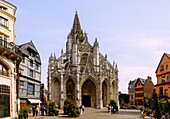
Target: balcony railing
[[11, 46]]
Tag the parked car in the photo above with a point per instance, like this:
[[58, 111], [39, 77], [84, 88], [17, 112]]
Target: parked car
[[123, 107], [133, 107]]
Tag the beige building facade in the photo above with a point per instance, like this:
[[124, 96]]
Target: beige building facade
[[10, 57], [82, 73], [131, 92]]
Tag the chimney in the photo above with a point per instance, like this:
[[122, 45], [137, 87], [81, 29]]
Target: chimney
[[149, 78]]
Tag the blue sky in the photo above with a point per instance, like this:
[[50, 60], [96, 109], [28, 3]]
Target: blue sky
[[134, 33]]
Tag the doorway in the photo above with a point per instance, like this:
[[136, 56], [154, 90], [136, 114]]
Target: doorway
[[86, 100]]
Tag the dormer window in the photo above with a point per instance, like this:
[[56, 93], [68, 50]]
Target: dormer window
[[3, 22], [3, 8]]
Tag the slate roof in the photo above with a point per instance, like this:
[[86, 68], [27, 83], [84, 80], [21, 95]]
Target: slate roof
[[132, 83], [26, 47], [143, 81]]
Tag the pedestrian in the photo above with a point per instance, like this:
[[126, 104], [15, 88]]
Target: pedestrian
[[40, 110], [46, 110], [116, 109], [109, 109], [162, 115], [43, 110], [36, 110], [33, 110], [83, 108]]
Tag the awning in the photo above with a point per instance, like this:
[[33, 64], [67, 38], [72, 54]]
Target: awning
[[34, 101]]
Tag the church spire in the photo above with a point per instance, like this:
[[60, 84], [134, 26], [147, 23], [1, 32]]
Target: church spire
[[76, 25]]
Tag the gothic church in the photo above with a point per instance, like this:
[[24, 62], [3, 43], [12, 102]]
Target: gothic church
[[82, 73]]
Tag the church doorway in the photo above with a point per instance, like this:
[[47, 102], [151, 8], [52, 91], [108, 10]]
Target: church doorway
[[70, 89], [88, 93], [86, 100], [104, 93]]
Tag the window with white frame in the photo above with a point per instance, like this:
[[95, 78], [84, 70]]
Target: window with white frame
[[3, 22]]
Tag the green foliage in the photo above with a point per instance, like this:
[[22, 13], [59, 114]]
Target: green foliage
[[23, 113], [53, 111], [70, 108], [162, 107], [112, 102]]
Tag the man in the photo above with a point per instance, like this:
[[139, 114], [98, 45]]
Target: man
[[33, 110]]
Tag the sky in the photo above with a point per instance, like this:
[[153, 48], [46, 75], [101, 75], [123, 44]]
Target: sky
[[133, 33]]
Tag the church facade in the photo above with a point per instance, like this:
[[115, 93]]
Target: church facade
[[82, 73]]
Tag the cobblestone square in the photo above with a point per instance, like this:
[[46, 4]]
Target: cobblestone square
[[91, 113]]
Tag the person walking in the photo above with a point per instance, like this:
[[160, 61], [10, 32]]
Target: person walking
[[36, 111], [109, 109], [43, 110], [40, 110], [33, 110], [83, 108], [46, 110]]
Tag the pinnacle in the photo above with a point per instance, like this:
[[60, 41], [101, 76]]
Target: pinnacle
[[76, 25]]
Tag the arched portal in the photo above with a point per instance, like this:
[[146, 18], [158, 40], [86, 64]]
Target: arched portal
[[70, 89], [88, 93], [104, 93], [56, 91]]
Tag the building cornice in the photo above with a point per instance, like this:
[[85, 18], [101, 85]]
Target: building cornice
[[162, 83], [7, 4]]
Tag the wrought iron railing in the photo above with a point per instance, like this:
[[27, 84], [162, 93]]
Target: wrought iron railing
[[10, 46]]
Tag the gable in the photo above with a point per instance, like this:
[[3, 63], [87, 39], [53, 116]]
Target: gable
[[165, 58], [137, 82]]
